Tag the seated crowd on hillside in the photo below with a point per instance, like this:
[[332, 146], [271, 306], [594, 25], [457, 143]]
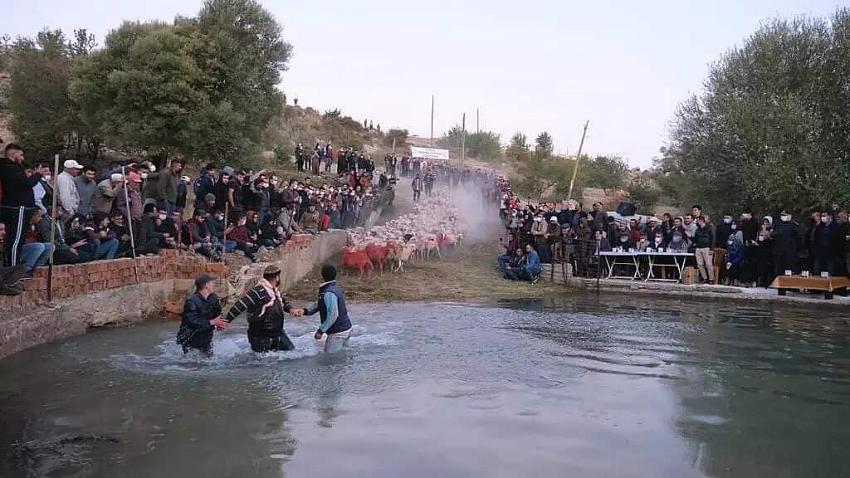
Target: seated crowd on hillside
[[233, 209], [737, 250]]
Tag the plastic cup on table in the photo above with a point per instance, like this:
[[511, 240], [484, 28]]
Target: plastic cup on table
[[787, 272]]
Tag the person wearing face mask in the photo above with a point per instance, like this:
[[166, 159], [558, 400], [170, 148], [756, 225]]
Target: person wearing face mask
[[66, 188], [262, 193], [678, 241], [762, 253], [538, 234], [167, 226], [43, 189], [734, 260], [658, 242], [240, 235], [724, 230], [787, 242], [825, 244], [217, 227], [748, 227], [203, 185], [623, 240]]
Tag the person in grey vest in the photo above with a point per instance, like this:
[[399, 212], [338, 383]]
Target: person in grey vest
[[332, 311]]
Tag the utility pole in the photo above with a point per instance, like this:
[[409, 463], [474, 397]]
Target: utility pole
[[477, 122], [578, 158], [432, 121], [463, 140]]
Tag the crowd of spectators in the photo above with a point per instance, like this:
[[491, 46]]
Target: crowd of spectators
[[135, 209], [738, 250]]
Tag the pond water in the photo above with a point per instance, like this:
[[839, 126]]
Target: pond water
[[575, 386]]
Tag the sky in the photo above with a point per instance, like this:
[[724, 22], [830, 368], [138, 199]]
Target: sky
[[526, 66]]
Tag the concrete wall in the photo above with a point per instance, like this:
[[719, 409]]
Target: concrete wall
[[296, 260], [70, 281], [120, 306], [40, 322]]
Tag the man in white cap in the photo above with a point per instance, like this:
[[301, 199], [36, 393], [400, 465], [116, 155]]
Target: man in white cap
[[107, 190], [69, 199]]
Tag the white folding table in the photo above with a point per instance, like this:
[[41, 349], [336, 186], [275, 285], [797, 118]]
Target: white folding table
[[679, 261], [629, 259]]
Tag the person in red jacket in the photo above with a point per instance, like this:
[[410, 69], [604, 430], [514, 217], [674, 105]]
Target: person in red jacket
[[244, 241]]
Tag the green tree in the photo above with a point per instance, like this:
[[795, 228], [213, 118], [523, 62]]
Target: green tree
[[241, 54], [452, 137], [38, 96], [543, 145], [483, 145], [204, 87], [144, 89], [772, 127], [518, 148], [644, 193], [44, 118], [399, 136], [607, 172]]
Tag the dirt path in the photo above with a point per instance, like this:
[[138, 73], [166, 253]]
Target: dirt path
[[468, 273]]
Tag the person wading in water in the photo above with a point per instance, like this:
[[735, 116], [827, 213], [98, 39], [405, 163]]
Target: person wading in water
[[334, 315], [201, 317], [265, 307]]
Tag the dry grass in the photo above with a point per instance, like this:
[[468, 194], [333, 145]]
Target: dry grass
[[467, 274]]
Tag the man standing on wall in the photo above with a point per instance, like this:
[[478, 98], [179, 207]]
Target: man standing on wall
[[17, 200], [69, 198], [703, 250], [166, 187]]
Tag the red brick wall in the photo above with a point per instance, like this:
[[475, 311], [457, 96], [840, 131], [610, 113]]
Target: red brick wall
[[80, 279]]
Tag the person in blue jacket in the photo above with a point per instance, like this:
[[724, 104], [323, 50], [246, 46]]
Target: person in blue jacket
[[532, 264], [201, 317], [734, 257], [332, 311]]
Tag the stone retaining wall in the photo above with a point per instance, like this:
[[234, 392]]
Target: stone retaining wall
[[296, 260], [70, 281]]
